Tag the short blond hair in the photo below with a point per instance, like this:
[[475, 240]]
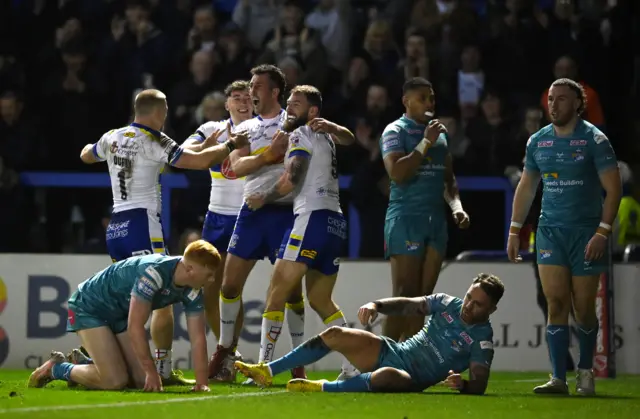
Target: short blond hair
[[147, 100], [203, 253]]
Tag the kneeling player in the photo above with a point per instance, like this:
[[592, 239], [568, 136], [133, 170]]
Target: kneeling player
[[109, 312], [313, 245], [457, 337]]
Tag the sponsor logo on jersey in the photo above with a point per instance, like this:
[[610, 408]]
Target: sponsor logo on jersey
[[577, 155], [114, 147], [446, 300], [486, 344], [310, 254], [129, 134], [548, 175], [226, 171], [579, 143], [447, 317], [546, 143], [600, 138], [146, 287], [412, 245], [466, 337], [193, 294], [545, 254]]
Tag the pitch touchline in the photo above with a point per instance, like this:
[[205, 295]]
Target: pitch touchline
[[140, 403]]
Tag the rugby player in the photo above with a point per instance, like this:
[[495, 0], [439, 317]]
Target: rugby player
[[224, 204], [575, 161], [258, 234], [419, 164], [457, 337], [109, 311], [135, 155], [312, 247]]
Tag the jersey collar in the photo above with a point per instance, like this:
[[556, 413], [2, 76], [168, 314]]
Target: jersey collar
[[279, 113], [411, 121], [146, 128]]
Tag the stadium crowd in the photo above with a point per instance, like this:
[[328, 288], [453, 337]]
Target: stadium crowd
[[69, 70]]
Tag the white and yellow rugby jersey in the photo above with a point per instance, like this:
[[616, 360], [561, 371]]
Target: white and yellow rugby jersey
[[320, 190], [136, 155], [260, 133], [226, 189]]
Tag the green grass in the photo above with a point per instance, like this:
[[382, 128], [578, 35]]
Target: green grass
[[509, 396]]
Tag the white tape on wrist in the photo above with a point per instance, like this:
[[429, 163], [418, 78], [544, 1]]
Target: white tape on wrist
[[423, 146], [456, 206], [605, 226], [516, 225]]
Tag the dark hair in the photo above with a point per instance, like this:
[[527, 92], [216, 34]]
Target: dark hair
[[313, 95], [236, 86], [277, 78], [415, 83], [415, 32], [491, 285], [577, 89]]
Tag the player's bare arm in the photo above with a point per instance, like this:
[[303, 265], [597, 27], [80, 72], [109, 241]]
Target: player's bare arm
[[477, 383], [522, 200], [88, 156], [139, 312], [293, 176], [452, 194], [243, 164], [612, 184], [403, 167], [396, 306], [212, 153], [193, 145], [339, 134], [198, 340]]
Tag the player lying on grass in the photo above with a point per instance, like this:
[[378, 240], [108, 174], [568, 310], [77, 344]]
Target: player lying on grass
[[457, 337], [109, 311]]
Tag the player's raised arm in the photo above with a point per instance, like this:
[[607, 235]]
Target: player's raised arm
[[211, 152], [195, 141], [147, 285], [339, 134], [197, 337]]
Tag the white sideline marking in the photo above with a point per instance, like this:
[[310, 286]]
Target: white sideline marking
[[140, 402]]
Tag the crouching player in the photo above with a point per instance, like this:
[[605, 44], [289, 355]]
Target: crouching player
[[457, 337], [109, 311], [311, 248]]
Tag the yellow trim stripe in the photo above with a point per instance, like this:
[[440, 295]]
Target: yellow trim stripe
[[337, 315], [295, 237], [218, 175], [229, 300], [292, 247], [296, 306], [259, 151], [299, 148], [277, 316]]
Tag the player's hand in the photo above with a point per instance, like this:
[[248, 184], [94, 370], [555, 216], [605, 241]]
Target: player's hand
[[153, 382], [453, 381], [595, 248], [255, 201], [322, 125], [201, 388], [278, 147], [513, 248], [368, 313], [433, 130], [239, 139], [212, 139], [461, 218]]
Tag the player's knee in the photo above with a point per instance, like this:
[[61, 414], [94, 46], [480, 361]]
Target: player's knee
[[585, 312], [391, 379], [230, 289], [117, 381], [332, 336], [558, 307], [407, 288], [163, 315]]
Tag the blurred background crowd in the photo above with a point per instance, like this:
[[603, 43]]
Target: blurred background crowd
[[69, 70]]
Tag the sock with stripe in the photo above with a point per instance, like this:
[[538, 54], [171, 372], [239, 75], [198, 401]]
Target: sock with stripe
[[294, 314], [62, 371], [587, 339], [229, 309], [309, 352], [271, 327], [338, 319], [361, 383], [558, 339]]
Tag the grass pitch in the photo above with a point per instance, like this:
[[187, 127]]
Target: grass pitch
[[509, 396]]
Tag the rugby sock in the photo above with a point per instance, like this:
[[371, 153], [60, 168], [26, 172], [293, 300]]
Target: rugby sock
[[558, 338], [305, 354], [229, 309], [295, 322], [163, 362], [271, 328], [62, 371], [338, 319], [361, 383], [587, 338]]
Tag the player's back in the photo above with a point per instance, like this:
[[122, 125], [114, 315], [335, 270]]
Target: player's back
[[569, 167], [260, 133], [320, 189], [446, 342], [136, 155], [226, 188], [109, 291], [423, 194]]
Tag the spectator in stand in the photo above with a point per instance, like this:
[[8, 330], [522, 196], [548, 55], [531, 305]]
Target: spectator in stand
[[256, 18], [379, 49], [566, 67]]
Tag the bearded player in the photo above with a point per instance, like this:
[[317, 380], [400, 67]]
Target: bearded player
[[258, 234], [311, 249], [225, 203], [576, 163], [136, 155], [457, 337], [420, 166]]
